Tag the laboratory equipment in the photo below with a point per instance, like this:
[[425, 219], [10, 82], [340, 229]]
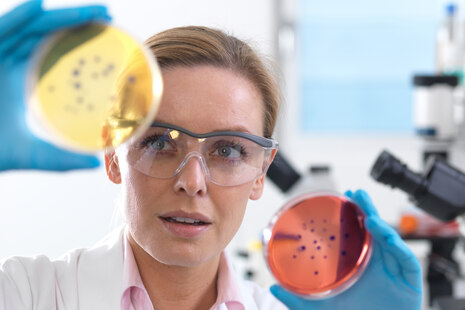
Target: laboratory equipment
[[282, 173], [439, 104], [92, 87], [318, 177], [416, 223], [317, 245], [450, 43], [440, 190], [434, 106]]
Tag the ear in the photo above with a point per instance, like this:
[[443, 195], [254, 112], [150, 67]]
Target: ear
[[112, 167], [259, 183], [257, 188]]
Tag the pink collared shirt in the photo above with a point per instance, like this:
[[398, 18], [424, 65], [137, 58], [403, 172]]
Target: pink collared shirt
[[135, 296]]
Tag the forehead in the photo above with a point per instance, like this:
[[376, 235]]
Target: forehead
[[206, 98]]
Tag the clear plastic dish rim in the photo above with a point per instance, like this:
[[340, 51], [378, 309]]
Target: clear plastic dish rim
[[38, 116], [267, 233]]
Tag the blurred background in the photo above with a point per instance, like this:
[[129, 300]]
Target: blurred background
[[347, 71]]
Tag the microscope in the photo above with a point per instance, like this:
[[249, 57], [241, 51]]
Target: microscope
[[439, 189]]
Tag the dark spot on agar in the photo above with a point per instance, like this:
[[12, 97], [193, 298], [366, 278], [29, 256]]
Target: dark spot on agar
[[324, 221], [294, 256], [110, 67], [303, 248], [77, 85], [76, 72], [318, 247], [131, 79], [315, 242], [82, 61], [316, 273], [312, 257], [324, 229], [343, 253], [312, 221], [325, 257], [332, 238], [342, 220], [299, 236], [346, 235], [312, 230]]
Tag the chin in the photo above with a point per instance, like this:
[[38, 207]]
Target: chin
[[183, 257]]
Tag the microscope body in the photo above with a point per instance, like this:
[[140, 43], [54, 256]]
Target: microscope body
[[443, 195], [440, 190]]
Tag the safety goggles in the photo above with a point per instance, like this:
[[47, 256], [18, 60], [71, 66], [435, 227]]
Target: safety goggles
[[227, 158]]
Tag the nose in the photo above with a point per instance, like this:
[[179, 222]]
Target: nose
[[191, 175]]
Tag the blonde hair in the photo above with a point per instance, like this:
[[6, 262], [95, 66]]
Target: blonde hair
[[195, 45]]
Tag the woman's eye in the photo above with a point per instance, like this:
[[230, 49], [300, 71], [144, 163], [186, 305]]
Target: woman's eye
[[161, 144], [229, 151], [158, 143]]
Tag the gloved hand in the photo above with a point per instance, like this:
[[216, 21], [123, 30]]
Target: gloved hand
[[20, 31], [392, 279]]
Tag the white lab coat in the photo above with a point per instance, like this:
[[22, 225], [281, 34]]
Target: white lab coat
[[85, 279]]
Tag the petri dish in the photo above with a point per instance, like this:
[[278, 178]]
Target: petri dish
[[316, 245], [92, 87]]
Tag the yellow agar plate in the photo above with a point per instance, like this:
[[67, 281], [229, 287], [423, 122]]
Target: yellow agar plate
[[95, 86]]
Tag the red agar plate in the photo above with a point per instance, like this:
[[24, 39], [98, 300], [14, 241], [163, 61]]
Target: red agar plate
[[316, 245]]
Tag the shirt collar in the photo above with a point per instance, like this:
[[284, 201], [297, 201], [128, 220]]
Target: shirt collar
[[228, 287], [134, 291], [134, 295]]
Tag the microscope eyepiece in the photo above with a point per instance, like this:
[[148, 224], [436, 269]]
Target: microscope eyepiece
[[391, 171], [440, 191], [386, 168]]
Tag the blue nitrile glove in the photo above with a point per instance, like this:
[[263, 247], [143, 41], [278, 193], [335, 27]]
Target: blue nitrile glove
[[392, 279], [20, 31]]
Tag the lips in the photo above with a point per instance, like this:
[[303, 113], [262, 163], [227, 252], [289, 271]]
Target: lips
[[185, 225], [186, 218], [183, 220]]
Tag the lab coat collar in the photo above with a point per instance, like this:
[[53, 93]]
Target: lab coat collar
[[96, 267]]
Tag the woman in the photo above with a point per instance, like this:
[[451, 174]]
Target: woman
[[207, 89], [185, 197]]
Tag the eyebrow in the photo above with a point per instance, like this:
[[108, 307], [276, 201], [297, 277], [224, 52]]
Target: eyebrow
[[265, 142], [237, 128]]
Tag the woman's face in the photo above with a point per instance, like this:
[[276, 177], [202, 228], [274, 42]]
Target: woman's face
[[201, 99]]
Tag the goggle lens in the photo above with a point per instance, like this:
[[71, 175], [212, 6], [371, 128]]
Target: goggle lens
[[227, 159]]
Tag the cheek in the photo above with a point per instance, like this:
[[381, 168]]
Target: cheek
[[138, 190], [231, 204], [131, 198], [142, 194]]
